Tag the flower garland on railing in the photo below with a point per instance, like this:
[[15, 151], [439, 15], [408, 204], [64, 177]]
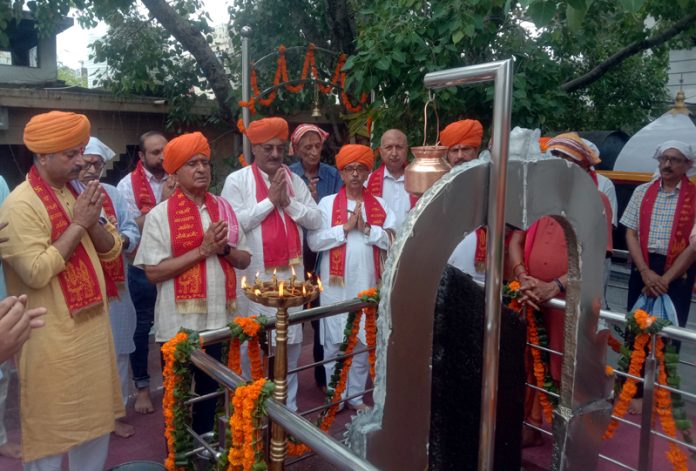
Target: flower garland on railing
[[246, 329], [177, 377], [338, 80], [246, 450], [337, 384], [669, 406], [536, 335]]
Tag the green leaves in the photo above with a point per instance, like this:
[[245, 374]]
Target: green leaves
[[541, 11], [632, 5]]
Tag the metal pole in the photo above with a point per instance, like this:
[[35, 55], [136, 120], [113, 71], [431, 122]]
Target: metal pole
[[279, 442], [501, 73], [502, 109], [246, 89], [645, 449]]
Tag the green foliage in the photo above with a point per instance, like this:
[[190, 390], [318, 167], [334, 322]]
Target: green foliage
[[71, 76]]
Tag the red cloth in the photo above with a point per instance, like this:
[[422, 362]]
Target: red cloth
[[281, 241], [78, 281], [55, 131], [544, 143], [375, 217], [681, 225], [266, 129], [375, 184], [355, 153], [186, 233], [181, 149], [467, 132], [114, 272], [142, 191]]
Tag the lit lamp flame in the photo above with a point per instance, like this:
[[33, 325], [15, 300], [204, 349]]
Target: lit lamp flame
[[309, 275], [257, 292], [292, 270], [319, 285], [304, 290], [280, 289], [244, 285]]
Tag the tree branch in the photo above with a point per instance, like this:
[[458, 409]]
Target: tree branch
[[196, 44], [632, 49]]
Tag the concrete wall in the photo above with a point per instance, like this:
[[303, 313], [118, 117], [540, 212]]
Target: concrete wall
[[47, 70]]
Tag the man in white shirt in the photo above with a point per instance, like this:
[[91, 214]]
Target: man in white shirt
[[355, 230], [274, 207], [387, 181], [142, 189]]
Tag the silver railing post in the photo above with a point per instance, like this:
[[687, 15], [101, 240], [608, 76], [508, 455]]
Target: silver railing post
[[501, 73], [246, 89], [645, 449]]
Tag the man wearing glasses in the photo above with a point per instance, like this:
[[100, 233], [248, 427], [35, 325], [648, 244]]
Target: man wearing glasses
[[658, 219], [353, 236], [274, 207]]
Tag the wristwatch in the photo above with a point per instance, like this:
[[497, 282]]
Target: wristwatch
[[227, 250]]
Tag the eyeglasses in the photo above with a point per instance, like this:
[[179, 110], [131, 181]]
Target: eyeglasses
[[671, 160], [358, 169], [97, 164]]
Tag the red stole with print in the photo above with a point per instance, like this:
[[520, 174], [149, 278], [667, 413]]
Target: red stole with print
[[281, 241], [142, 191], [78, 281], [481, 247], [114, 273], [339, 215], [681, 225], [375, 184], [186, 233]]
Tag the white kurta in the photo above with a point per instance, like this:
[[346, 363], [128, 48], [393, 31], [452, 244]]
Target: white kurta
[[156, 246], [396, 197], [464, 255], [125, 187], [240, 191], [360, 269]]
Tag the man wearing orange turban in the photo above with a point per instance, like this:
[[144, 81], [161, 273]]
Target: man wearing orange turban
[[388, 180], [190, 246], [274, 207], [54, 253], [356, 231], [463, 139]]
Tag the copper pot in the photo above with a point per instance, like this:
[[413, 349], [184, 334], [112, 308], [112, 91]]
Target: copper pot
[[427, 168]]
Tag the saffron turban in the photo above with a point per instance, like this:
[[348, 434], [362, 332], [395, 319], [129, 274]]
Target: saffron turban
[[301, 131], [179, 150], [55, 131], [355, 153], [572, 145], [97, 147], [544, 143], [467, 132], [266, 129]]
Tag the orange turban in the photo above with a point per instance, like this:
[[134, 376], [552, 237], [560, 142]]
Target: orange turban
[[355, 153], [266, 129], [179, 150], [467, 132], [544, 143], [55, 131]]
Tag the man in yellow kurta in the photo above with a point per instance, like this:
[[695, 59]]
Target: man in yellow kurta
[[69, 388]]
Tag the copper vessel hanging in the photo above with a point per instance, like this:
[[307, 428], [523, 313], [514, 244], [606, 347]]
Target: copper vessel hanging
[[430, 161]]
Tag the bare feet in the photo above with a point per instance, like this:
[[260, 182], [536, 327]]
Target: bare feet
[[143, 403], [123, 429], [636, 406], [11, 450]]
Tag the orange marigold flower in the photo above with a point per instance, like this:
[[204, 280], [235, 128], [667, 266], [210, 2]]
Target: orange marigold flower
[[514, 285]]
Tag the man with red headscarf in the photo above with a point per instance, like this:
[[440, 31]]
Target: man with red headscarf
[[274, 208], [69, 386], [354, 233], [387, 181], [143, 189], [190, 246]]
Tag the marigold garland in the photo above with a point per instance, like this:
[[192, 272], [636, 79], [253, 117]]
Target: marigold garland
[[246, 450], [338, 80], [540, 369], [177, 378], [511, 294], [246, 329], [337, 384], [370, 313]]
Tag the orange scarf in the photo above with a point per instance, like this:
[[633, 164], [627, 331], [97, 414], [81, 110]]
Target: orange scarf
[[375, 184], [186, 233], [281, 241], [78, 281], [144, 196], [114, 273], [375, 217], [682, 223]]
